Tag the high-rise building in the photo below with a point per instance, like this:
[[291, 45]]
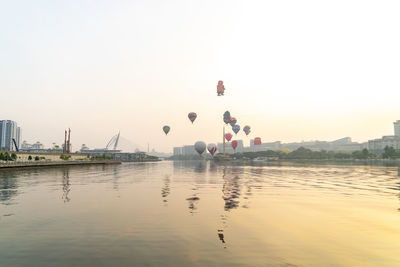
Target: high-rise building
[[188, 151], [9, 130], [397, 128], [178, 151]]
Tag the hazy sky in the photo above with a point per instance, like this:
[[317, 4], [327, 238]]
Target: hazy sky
[[293, 70]]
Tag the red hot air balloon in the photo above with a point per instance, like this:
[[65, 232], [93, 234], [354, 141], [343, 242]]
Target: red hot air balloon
[[257, 141], [228, 136], [234, 144]]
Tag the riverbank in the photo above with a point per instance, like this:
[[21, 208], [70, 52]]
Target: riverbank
[[12, 165], [294, 162]]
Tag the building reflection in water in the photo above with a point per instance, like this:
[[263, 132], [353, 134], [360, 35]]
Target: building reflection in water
[[166, 189], [252, 182], [200, 167], [213, 167], [116, 178], [398, 174], [66, 186], [193, 200], [8, 187]]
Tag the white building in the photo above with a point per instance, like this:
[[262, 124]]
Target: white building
[[397, 128], [178, 151], [263, 147], [188, 151], [37, 146], [9, 130], [84, 147], [26, 145], [229, 149], [378, 145]]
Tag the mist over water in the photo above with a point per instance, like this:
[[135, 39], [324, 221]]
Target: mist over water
[[197, 213]]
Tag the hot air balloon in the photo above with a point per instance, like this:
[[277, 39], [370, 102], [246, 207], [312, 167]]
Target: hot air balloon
[[212, 148], [192, 116], [166, 129], [228, 136], [233, 121], [227, 117], [246, 129], [236, 128], [200, 146], [220, 88], [257, 141], [234, 144]]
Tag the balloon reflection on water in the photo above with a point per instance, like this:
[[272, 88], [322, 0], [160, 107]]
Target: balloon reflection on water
[[165, 190]]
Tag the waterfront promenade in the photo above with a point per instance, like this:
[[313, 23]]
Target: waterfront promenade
[[27, 164]]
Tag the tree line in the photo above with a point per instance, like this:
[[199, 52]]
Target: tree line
[[7, 156], [305, 153]]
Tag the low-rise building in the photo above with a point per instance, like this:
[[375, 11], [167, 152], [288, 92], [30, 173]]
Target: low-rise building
[[378, 145]]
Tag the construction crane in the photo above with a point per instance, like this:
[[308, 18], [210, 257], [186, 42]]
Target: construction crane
[[15, 144]]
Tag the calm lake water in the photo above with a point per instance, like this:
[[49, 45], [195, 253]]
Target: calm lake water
[[200, 214]]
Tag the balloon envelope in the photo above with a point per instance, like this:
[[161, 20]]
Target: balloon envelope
[[228, 136], [257, 141], [233, 121], [236, 128], [211, 149], [200, 146], [192, 116], [246, 129], [220, 88], [227, 117], [234, 144], [166, 129]]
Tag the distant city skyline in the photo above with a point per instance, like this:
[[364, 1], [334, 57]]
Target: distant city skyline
[[344, 144], [9, 130], [293, 71]]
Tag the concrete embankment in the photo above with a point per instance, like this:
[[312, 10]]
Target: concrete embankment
[[54, 164]]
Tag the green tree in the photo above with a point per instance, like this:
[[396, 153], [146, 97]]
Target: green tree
[[365, 153], [301, 153], [30, 157], [37, 158], [65, 157], [389, 152], [13, 156]]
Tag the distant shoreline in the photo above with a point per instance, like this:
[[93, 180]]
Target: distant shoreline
[[370, 162]]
